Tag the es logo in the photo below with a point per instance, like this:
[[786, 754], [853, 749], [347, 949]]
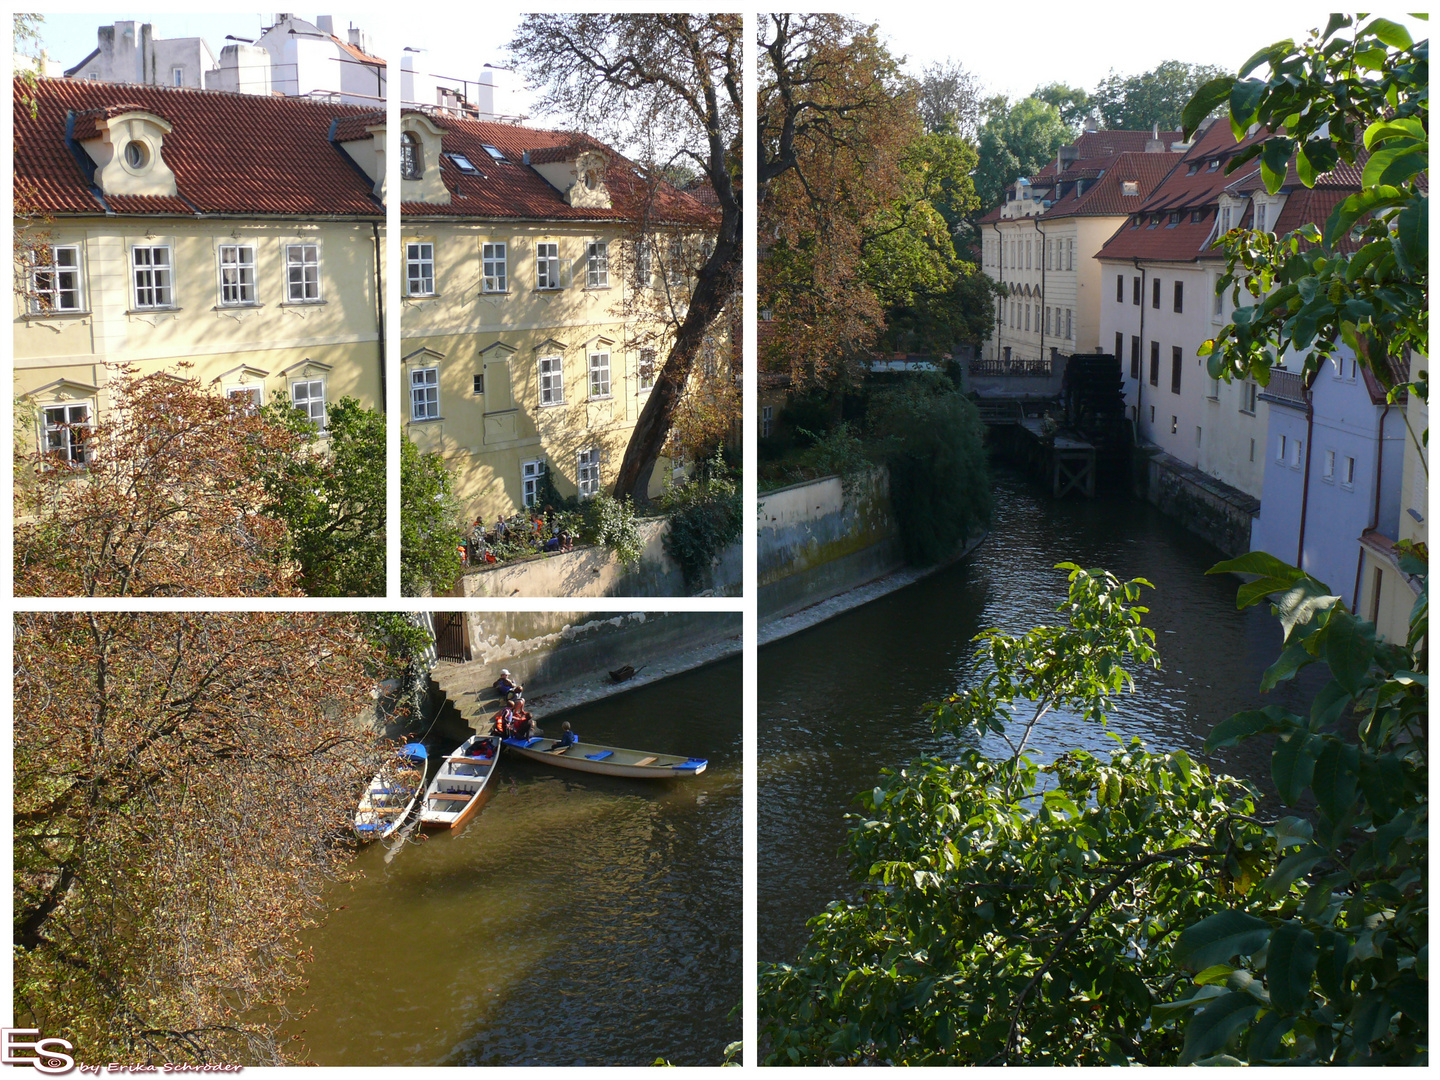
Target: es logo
[[48, 1060]]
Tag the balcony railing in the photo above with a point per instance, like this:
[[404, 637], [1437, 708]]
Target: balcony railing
[[1287, 387], [1013, 366]]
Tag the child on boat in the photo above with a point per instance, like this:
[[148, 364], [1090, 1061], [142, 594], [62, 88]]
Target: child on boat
[[567, 737]]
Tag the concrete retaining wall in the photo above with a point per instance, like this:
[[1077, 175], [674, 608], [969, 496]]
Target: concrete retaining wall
[[1210, 508], [595, 571], [815, 544], [553, 654]]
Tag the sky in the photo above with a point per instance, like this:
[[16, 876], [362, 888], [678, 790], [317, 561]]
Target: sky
[[1012, 53]]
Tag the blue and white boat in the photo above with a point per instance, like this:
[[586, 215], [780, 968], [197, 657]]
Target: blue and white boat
[[608, 760], [393, 794]]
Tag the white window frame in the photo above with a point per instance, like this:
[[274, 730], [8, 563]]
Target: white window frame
[[587, 472], [1249, 393], [297, 286], [419, 268], [1297, 452], [424, 394], [644, 267], [547, 265], [644, 378], [1281, 451], [1347, 478], [57, 433], [674, 273], [597, 265], [152, 283], [1328, 472], [1069, 324], [56, 271], [551, 376], [256, 394], [495, 266], [598, 374], [477, 384], [308, 402], [239, 290], [531, 474]]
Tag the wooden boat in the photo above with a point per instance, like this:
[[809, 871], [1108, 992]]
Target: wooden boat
[[387, 802], [454, 795], [608, 760]]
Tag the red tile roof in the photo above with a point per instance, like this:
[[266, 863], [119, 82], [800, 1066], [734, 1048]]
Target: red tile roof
[[1104, 144], [230, 153], [512, 189], [1107, 197], [352, 128]]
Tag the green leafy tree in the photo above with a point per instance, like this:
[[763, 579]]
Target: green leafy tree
[[1159, 96], [705, 517], [431, 531], [1361, 99], [1017, 140], [1139, 910], [331, 497], [932, 440], [1073, 103]]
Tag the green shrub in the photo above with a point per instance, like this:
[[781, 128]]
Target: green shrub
[[612, 522], [705, 517], [933, 440]]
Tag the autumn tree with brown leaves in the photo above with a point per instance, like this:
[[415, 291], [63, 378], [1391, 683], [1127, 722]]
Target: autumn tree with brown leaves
[[835, 116], [158, 497], [183, 790], [669, 85]]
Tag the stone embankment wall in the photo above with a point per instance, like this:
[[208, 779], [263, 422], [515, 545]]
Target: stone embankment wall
[[1210, 508], [568, 655], [814, 543], [595, 571]]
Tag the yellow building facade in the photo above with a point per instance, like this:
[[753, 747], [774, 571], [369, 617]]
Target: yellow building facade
[[530, 341], [228, 238]]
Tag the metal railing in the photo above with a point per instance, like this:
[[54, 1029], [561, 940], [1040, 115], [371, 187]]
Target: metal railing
[[1013, 366], [1286, 386]]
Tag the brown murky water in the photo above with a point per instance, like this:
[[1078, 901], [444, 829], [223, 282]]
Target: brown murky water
[[576, 920]]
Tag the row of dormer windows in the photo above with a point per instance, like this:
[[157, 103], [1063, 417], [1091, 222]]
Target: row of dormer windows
[[57, 277], [550, 272]]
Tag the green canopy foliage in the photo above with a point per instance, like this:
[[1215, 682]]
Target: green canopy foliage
[[1361, 98], [1017, 140], [1158, 96], [431, 527]]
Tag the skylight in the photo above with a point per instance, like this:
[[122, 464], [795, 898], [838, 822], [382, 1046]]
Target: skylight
[[463, 163], [493, 152]]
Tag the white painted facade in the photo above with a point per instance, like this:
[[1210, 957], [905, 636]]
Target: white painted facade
[[125, 54]]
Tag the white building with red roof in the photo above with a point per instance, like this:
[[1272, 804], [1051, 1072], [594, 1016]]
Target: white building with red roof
[[1040, 242]]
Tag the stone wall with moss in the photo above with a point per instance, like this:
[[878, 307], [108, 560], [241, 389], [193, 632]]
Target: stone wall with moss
[[815, 541]]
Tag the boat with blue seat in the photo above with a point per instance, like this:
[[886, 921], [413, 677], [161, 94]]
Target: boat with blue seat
[[608, 760], [454, 795], [392, 794]]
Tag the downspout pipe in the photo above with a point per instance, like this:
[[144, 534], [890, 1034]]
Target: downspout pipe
[[1375, 514], [1140, 374], [1000, 262], [1305, 482], [379, 311], [1042, 286]]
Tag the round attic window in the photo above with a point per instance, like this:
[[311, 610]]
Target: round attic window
[[137, 154], [591, 179]]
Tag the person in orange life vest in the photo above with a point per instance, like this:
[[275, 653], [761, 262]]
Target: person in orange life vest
[[502, 721], [567, 737], [522, 723]]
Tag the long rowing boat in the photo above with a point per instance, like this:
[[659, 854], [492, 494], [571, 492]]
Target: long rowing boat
[[608, 760], [392, 794], [454, 794]]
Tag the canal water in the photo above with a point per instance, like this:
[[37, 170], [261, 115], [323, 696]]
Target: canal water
[[841, 701], [575, 920]]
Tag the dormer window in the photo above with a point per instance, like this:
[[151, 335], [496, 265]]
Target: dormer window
[[1214, 164], [1193, 169], [411, 160], [1130, 187]]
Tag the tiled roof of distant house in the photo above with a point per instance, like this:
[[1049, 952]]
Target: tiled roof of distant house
[[508, 188], [1105, 144], [1110, 196], [230, 153]]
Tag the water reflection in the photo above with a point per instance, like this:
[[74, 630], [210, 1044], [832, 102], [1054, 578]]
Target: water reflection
[[841, 701], [576, 920]]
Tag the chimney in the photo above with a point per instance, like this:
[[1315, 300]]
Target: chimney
[[1155, 144], [1068, 156], [326, 23], [147, 54]]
